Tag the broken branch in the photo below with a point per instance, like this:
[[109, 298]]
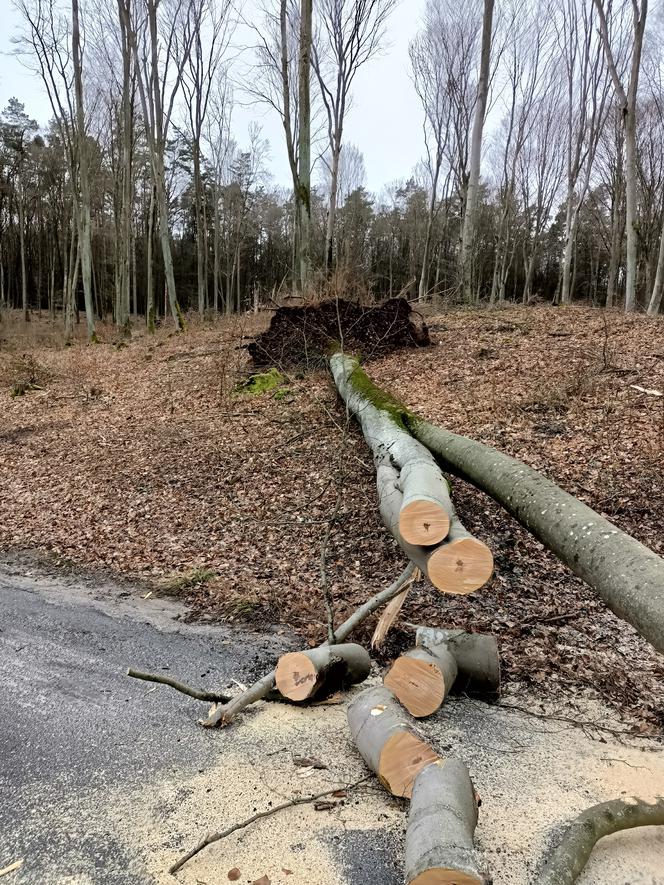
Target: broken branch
[[224, 714], [198, 694], [216, 837], [567, 861]]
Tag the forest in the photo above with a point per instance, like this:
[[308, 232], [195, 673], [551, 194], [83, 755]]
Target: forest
[[331, 507], [136, 198]]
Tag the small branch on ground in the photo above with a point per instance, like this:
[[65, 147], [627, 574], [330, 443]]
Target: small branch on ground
[[198, 694], [568, 860], [324, 583], [298, 800]]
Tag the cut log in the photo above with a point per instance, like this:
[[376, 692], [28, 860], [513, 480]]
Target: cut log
[[441, 826], [476, 656], [424, 515], [421, 679], [425, 508], [386, 742], [568, 860], [626, 575], [316, 673], [224, 714], [459, 565]]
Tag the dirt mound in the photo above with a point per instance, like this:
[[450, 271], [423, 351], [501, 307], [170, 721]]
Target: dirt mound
[[303, 336]]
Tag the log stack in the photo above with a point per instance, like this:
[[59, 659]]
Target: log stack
[[413, 494]]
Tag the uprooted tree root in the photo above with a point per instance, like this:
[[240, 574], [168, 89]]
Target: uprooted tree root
[[304, 336]]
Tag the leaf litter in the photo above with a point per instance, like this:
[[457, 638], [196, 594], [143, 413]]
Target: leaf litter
[[165, 474]]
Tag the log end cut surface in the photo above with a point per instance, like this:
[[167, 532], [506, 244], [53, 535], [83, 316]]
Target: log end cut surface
[[418, 685], [402, 758], [461, 566], [440, 876], [423, 523], [295, 676]]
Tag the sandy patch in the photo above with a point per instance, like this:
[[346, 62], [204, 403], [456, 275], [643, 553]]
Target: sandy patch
[[533, 775]]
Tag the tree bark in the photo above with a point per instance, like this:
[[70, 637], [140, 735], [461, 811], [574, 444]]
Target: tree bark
[[476, 655], [85, 224], [658, 287], [304, 142], [441, 827], [385, 740], [625, 574], [21, 236]]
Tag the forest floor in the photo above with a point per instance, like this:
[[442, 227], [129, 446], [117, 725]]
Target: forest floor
[[140, 458]]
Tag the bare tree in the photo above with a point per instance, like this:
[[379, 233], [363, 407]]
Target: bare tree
[[430, 60], [221, 148], [211, 29], [527, 56], [304, 141], [587, 85], [85, 224], [48, 41], [472, 195], [349, 34], [540, 175], [159, 81], [627, 98]]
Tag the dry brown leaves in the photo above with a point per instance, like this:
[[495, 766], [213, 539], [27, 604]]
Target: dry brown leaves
[[140, 460]]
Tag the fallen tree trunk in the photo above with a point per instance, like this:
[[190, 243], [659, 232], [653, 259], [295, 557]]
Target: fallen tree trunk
[[568, 860], [316, 673], [225, 713], [460, 565], [625, 574], [421, 679], [476, 655], [425, 509], [386, 741], [441, 826]]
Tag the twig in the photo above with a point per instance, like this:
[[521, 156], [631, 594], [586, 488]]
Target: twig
[[325, 587], [580, 723], [198, 694], [216, 837], [12, 867], [224, 714]]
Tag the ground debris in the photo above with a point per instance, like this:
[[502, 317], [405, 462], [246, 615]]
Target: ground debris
[[223, 500]]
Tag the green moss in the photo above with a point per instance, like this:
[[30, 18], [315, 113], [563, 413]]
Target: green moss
[[282, 392], [381, 399], [181, 323], [262, 382]]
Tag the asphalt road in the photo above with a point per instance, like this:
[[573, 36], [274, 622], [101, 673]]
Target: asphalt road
[[74, 728]]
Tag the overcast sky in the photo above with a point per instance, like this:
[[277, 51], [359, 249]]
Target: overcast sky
[[385, 121]]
